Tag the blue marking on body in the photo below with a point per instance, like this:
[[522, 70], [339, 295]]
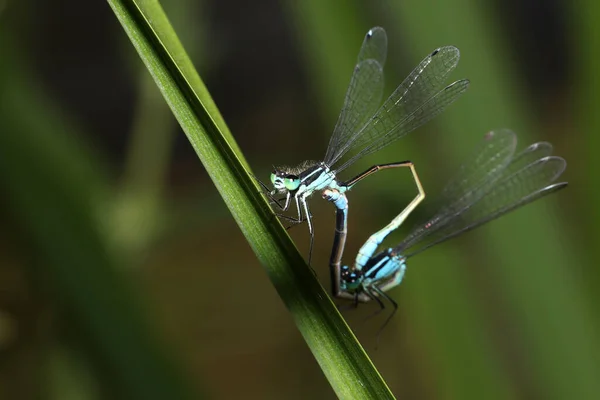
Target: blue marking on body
[[400, 276], [364, 254], [326, 179], [384, 269], [399, 269], [368, 249], [335, 196]]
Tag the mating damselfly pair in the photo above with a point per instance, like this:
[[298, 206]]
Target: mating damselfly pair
[[494, 181]]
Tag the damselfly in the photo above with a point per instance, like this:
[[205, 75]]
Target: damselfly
[[493, 182], [364, 127]]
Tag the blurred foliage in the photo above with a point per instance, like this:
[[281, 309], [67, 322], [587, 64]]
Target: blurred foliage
[[95, 179]]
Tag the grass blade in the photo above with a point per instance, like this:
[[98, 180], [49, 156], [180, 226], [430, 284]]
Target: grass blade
[[341, 358]]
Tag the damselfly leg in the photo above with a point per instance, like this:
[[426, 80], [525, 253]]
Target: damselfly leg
[[272, 200], [283, 206], [384, 295]]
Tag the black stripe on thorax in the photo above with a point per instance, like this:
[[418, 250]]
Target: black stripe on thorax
[[373, 266], [311, 174]]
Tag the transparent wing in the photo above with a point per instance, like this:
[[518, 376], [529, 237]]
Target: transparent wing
[[364, 92], [480, 170], [530, 154], [432, 108], [493, 160], [374, 46], [413, 103], [511, 191], [475, 177]]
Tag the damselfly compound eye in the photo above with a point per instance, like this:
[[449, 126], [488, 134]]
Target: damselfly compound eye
[[291, 183]]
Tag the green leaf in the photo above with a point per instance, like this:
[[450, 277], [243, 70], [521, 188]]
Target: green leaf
[[341, 358]]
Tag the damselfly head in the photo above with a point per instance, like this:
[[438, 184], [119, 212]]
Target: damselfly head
[[351, 280], [284, 181]]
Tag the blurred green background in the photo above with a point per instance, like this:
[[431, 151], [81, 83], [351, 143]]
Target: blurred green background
[[123, 274]]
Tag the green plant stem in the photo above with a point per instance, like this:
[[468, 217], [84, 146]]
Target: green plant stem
[[341, 358]]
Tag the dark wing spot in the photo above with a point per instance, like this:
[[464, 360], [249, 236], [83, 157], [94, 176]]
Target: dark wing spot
[[435, 52]]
